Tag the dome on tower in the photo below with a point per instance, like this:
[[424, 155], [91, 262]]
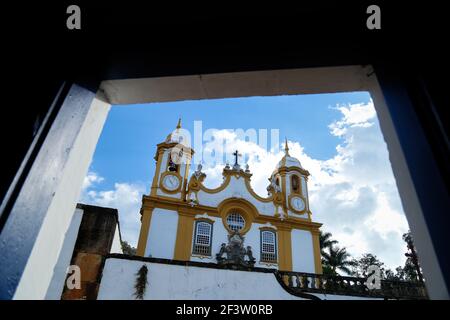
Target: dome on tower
[[176, 136], [288, 160]]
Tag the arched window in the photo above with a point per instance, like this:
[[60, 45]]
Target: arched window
[[235, 221], [172, 166], [268, 246], [295, 183], [202, 238]]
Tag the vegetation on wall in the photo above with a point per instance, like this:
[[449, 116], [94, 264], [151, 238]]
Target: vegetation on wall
[[141, 282]]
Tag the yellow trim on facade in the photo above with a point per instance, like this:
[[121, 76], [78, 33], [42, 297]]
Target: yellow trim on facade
[[237, 174], [243, 207], [145, 227], [254, 194], [267, 228], [284, 169], [183, 242], [316, 247], [284, 193], [154, 188], [178, 205], [185, 179], [166, 145], [284, 249], [218, 189], [204, 219]]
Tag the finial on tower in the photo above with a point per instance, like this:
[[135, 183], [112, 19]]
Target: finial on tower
[[179, 123], [286, 148]]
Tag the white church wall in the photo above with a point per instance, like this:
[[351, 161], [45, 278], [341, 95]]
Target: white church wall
[[116, 246], [56, 286], [162, 234], [171, 282], [187, 282], [220, 235], [252, 238], [236, 188], [300, 216], [302, 251]]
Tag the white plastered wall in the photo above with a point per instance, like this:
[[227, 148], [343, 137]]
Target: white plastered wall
[[65, 255], [162, 234], [170, 282], [237, 189], [302, 251], [116, 246]]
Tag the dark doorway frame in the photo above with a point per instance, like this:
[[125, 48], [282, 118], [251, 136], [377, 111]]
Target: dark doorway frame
[[406, 71]]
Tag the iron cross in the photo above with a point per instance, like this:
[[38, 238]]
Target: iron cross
[[236, 154]]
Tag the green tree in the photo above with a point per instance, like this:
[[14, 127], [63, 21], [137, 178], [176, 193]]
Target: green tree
[[398, 275], [128, 249], [412, 270], [360, 266], [336, 259], [326, 241]]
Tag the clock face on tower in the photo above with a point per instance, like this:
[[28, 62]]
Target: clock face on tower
[[171, 182], [297, 204]]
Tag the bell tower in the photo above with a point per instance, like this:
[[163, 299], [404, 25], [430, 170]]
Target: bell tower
[[292, 179], [173, 159]]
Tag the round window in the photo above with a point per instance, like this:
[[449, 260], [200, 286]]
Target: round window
[[235, 221]]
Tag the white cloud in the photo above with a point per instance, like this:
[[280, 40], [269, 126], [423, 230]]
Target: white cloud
[[362, 162], [125, 197], [91, 179]]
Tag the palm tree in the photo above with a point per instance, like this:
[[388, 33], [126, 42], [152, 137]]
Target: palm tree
[[325, 241], [336, 259]]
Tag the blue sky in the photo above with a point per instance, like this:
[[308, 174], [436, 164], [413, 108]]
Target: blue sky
[[336, 137], [127, 144]]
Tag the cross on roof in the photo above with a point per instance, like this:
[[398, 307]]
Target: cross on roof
[[236, 154]]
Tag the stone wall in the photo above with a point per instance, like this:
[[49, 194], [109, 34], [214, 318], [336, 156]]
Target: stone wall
[[95, 240]]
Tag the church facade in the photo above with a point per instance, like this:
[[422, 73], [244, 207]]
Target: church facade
[[182, 219]]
